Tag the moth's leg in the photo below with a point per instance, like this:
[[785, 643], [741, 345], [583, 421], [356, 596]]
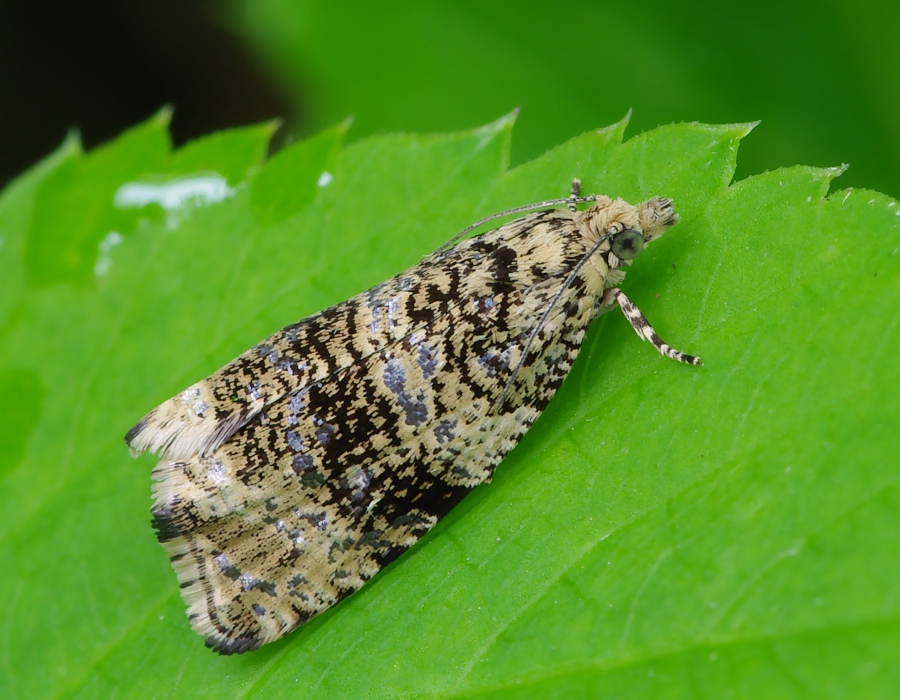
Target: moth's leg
[[576, 191], [642, 326]]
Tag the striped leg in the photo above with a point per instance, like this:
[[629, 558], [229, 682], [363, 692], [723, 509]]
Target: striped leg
[[643, 328]]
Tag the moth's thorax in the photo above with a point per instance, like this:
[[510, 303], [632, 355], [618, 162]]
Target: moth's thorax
[[606, 216]]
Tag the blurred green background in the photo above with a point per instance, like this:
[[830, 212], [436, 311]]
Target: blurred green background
[[819, 75]]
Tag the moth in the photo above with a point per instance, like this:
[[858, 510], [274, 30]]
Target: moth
[[296, 472]]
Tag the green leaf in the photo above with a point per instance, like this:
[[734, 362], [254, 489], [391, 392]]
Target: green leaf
[[663, 531]]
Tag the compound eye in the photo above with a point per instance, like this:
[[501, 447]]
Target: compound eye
[[628, 244]]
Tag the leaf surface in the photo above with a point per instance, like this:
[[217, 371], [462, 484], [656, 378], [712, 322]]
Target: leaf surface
[[662, 531]]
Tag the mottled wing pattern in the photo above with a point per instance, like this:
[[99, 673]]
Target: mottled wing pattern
[[206, 414], [320, 455]]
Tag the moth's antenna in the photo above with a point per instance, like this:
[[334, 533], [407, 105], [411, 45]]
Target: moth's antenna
[[546, 315], [571, 201]]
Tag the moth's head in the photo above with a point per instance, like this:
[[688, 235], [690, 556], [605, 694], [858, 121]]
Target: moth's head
[[626, 228]]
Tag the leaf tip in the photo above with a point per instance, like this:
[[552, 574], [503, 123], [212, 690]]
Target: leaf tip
[[346, 123], [504, 123], [837, 170], [71, 144], [272, 125], [737, 130], [749, 126], [619, 126], [163, 117]]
